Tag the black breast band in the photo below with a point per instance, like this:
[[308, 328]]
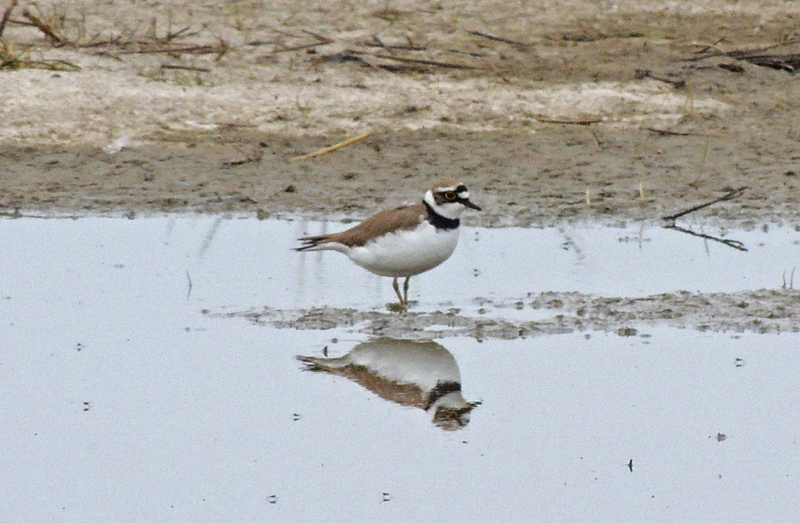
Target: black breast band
[[439, 221]]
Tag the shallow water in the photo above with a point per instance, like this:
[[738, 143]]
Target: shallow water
[[122, 400], [506, 263]]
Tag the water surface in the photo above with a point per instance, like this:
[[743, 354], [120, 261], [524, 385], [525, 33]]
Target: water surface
[[123, 400]]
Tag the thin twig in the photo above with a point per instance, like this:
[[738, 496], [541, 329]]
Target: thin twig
[[732, 67], [298, 47], [734, 244], [468, 53], [380, 43], [401, 68], [667, 132], [586, 121], [789, 63], [740, 54], [449, 65], [200, 49], [326, 150], [706, 47], [186, 68], [257, 43], [7, 14], [743, 53], [318, 36], [100, 43], [171, 36], [43, 27], [285, 33], [646, 73], [733, 193], [499, 39], [321, 40]]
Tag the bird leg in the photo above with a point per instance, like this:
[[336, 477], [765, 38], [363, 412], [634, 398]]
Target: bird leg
[[396, 288], [402, 297]]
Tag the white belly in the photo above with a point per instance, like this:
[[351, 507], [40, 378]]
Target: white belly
[[408, 252]]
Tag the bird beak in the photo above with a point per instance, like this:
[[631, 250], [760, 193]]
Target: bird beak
[[471, 205]]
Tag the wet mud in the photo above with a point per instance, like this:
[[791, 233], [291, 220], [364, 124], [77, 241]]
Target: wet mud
[[592, 112], [675, 110], [768, 311]]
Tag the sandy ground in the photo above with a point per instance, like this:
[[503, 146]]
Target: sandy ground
[[215, 100]]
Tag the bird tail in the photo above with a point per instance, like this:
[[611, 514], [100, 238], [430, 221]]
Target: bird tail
[[313, 364], [309, 243]]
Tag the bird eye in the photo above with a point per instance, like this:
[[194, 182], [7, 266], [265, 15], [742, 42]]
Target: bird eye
[[450, 196]]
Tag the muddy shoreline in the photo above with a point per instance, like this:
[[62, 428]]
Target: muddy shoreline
[[760, 312], [680, 112], [598, 113], [519, 179]]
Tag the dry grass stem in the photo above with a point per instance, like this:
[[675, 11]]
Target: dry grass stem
[[448, 65], [6, 14], [646, 73], [585, 121], [332, 148], [186, 68], [43, 27], [667, 132], [499, 39]]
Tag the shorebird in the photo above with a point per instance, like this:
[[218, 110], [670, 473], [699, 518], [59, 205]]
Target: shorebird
[[404, 241]]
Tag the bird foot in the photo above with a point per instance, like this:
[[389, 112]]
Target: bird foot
[[400, 307]]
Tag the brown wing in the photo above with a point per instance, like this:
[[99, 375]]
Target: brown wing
[[390, 220]]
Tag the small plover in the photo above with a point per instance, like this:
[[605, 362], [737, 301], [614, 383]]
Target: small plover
[[404, 241]]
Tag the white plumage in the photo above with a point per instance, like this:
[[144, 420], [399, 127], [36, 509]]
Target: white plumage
[[404, 241]]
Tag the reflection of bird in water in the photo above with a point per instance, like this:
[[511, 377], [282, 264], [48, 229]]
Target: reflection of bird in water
[[420, 374]]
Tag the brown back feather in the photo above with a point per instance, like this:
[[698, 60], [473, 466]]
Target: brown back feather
[[390, 220]]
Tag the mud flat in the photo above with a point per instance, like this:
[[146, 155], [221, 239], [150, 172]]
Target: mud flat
[[597, 112], [210, 105]]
